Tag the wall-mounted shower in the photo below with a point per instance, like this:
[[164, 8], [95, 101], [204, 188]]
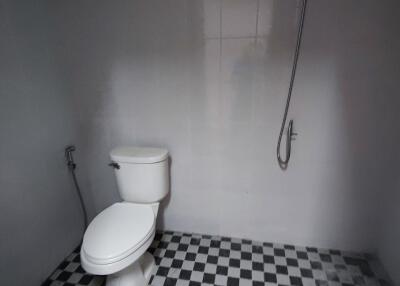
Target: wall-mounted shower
[[283, 163]]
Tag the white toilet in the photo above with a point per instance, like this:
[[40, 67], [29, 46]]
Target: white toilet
[[116, 241]]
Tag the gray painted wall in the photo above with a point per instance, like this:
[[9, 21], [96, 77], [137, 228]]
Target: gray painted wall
[[208, 81], [389, 228], [389, 249], [40, 218]]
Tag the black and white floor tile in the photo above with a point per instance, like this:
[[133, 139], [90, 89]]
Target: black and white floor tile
[[191, 259], [70, 272]]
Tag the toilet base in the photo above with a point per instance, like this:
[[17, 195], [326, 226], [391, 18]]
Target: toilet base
[[136, 274]]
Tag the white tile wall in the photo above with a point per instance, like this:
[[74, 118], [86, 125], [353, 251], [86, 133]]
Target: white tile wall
[[265, 17], [239, 18], [173, 76], [212, 18]]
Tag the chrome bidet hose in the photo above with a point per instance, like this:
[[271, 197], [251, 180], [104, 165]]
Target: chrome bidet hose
[[283, 163]]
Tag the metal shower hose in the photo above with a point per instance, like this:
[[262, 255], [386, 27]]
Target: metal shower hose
[[284, 162]]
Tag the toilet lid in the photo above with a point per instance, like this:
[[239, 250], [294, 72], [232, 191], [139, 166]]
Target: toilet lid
[[117, 232]]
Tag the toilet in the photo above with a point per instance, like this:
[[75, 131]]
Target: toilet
[[116, 241]]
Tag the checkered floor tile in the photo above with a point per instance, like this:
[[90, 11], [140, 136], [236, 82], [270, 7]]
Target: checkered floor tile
[[70, 272], [192, 259]]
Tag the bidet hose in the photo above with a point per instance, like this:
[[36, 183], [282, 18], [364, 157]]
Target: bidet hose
[[72, 166], [283, 163], [78, 191]]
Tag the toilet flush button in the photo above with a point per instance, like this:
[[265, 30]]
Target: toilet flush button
[[114, 165]]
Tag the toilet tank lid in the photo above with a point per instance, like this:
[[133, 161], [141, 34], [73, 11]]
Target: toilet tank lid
[[137, 155]]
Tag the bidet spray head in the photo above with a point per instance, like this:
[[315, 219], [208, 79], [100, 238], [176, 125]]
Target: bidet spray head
[[68, 156]]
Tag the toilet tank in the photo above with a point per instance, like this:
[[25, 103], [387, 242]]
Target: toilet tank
[[142, 173]]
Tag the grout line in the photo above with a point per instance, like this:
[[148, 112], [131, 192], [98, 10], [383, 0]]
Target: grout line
[[233, 37], [220, 97], [257, 16], [220, 33]]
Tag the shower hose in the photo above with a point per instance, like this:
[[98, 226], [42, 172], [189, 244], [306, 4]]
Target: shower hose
[[283, 163]]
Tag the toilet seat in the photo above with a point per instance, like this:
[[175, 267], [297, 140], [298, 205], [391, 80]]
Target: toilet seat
[[117, 233]]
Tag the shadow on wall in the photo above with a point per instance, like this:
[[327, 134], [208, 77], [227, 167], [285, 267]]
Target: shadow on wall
[[165, 202], [362, 134], [347, 72], [121, 57], [365, 83]]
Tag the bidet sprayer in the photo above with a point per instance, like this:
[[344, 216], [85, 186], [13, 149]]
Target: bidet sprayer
[[68, 156]]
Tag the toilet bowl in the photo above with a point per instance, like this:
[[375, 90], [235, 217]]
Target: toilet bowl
[[116, 241]]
